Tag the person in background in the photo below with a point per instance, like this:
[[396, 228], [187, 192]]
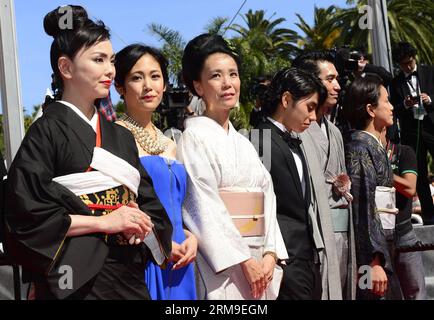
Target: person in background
[[412, 94], [369, 112], [408, 265], [328, 151], [258, 90]]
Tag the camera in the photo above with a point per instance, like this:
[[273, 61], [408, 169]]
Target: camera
[[178, 97], [172, 110], [414, 96]]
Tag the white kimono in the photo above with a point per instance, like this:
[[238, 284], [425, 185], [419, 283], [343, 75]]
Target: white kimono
[[219, 161]]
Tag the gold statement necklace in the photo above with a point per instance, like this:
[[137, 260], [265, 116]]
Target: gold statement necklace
[[144, 138]]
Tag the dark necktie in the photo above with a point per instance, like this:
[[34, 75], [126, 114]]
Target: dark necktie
[[292, 141]]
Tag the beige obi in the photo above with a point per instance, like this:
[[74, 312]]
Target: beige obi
[[247, 211]]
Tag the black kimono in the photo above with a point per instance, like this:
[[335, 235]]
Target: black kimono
[[37, 212], [368, 167]]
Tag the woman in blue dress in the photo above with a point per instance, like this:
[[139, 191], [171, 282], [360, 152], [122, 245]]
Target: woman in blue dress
[[141, 78]]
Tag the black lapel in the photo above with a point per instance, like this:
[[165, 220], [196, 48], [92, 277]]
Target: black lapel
[[82, 130], [404, 86], [276, 136], [420, 78]]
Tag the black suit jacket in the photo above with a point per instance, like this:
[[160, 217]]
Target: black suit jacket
[[399, 90], [292, 206]]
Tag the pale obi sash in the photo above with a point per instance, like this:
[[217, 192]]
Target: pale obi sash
[[111, 172], [385, 202], [246, 209]]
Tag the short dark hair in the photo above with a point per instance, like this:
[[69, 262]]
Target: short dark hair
[[308, 61], [363, 91], [84, 33], [198, 50], [128, 57], [403, 50], [297, 82]]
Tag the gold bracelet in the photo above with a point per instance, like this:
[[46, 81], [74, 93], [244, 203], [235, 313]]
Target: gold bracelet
[[271, 253]]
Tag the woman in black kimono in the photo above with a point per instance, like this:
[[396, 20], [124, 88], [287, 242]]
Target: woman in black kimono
[[369, 111], [77, 194]]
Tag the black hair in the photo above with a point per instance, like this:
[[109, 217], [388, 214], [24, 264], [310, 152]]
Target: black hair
[[297, 82], [70, 37], [128, 57], [198, 50], [403, 50], [363, 91], [308, 61]]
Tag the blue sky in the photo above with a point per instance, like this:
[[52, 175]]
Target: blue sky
[[128, 21]]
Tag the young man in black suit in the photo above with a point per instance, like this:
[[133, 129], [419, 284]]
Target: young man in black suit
[[412, 95], [290, 105]]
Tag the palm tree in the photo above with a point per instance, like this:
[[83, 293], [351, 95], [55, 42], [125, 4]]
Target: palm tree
[[264, 49], [413, 21], [173, 47], [410, 21], [215, 26], [263, 34], [325, 31]]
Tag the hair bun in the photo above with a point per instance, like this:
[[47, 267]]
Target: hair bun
[[56, 21]]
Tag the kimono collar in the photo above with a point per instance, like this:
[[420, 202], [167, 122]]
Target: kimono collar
[[206, 122], [92, 122], [376, 139]]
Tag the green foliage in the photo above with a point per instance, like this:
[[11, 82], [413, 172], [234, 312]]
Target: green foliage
[[265, 46], [173, 46], [411, 21], [119, 107]]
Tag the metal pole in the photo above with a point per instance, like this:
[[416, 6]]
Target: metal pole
[[381, 48], [10, 82]]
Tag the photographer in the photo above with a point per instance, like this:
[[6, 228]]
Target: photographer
[[412, 94], [258, 90], [351, 64]]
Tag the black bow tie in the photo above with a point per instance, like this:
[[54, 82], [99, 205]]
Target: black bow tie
[[292, 141], [414, 73]]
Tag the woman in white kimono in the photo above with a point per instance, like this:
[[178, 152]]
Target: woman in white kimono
[[230, 204]]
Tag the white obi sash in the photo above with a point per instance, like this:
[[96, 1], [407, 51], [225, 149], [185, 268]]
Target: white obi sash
[[385, 202], [112, 172]]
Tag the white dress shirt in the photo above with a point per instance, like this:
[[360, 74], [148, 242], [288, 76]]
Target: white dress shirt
[[296, 156]]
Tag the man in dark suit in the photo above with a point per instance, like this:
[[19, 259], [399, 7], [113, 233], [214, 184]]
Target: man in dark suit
[[258, 91], [412, 95], [290, 108]]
